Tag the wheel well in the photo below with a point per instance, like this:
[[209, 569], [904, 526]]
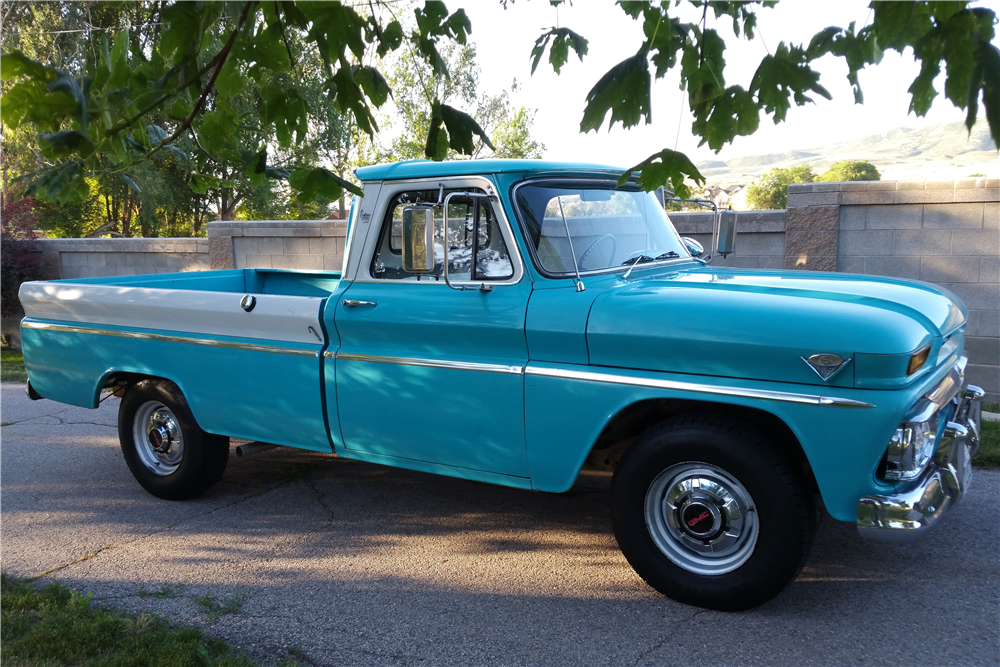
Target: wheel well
[[619, 433], [120, 381]]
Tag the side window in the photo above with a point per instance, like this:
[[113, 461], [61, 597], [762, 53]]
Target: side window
[[476, 248]]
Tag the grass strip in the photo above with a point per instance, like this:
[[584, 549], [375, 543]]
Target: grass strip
[[12, 367], [988, 455], [55, 626]]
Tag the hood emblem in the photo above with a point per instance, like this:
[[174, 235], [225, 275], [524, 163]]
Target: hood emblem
[[826, 364]]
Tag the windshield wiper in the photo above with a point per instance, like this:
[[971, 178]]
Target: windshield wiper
[[641, 258], [668, 255]]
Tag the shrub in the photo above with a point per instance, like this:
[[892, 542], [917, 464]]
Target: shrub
[[771, 191], [850, 170], [18, 260]]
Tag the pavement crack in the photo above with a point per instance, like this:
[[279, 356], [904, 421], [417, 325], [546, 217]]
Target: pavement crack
[[320, 498], [650, 651], [88, 556], [172, 526]]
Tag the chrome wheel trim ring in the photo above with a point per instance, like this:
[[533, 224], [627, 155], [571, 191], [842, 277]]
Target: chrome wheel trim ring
[[721, 518], [158, 438]]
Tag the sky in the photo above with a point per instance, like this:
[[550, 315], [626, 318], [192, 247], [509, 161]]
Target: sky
[[504, 39]]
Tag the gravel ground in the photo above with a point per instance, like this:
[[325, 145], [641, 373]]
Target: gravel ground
[[354, 564]]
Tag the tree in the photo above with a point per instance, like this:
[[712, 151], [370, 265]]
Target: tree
[[92, 115], [416, 90], [850, 170], [18, 260], [771, 191]]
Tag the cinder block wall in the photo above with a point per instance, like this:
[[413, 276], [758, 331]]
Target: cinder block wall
[[316, 245], [760, 237], [95, 258]]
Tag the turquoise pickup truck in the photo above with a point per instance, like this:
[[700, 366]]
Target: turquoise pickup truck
[[524, 323]]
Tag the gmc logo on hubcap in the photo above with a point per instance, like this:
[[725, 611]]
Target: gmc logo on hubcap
[[703, 515]]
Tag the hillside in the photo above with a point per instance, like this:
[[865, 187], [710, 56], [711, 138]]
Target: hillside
[[938, 152]]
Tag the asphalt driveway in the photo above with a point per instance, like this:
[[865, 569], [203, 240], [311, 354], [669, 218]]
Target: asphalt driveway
[[354, 564]]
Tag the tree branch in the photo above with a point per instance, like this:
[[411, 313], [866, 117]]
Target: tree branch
[[219, 60]]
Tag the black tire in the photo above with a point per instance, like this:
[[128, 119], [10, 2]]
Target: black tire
[[664, 520], [188, 461]]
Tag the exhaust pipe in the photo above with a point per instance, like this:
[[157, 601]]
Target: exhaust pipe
[[253, 448]]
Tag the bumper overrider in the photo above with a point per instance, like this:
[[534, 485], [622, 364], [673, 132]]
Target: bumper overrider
[[927, 484]]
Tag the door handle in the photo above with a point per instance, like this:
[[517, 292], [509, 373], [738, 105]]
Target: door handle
[[352, 303]]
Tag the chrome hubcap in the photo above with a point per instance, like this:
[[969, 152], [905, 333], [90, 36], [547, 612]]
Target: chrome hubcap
[[157, 437], [701, 518]]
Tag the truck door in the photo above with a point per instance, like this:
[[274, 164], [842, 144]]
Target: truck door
[[429, 374]]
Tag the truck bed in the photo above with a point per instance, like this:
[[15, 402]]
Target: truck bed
[[245, 374]]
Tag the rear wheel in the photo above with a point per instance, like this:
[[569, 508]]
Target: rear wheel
[[710, 513], [166, 450]]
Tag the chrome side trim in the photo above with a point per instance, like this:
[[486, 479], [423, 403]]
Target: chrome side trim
[[274, 349], [427, 363], [787, 397]]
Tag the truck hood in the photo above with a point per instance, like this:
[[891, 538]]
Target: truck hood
[[759, 325]]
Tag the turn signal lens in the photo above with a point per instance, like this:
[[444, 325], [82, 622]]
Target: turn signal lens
[[917, 360]]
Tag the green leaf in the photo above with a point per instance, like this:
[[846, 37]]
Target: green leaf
[[64, 184], [667, 168], [390, 38], [230, 82], [129, 182], [63, 142], [288, 111], [373, 83], [702, 65], [200, 183], [624, 91], [257, 168], [218, 130], [988, 59], [15, 64], [335, 27], [64, 83], [118, 63], [664, 38], [31, 101], [319, 183], [432, 25], [267, 50], [733, 113], [785, 74], [562, 40], [180, 108], [347, 96], [452, 128], [185, 26]]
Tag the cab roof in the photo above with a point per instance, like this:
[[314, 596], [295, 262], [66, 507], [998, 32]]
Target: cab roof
[[429, 169]]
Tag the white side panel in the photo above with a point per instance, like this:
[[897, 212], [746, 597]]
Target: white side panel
[[291, 319]]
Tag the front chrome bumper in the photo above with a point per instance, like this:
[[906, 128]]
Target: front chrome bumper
[[916, 506]]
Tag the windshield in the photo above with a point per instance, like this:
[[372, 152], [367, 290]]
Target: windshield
[[595, 226]]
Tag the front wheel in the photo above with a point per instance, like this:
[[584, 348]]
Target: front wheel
[[710, 513], [166, 450]]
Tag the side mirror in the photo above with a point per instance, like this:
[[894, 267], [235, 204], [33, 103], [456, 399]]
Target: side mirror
[[418, 239], [727, 233], [696, 249]]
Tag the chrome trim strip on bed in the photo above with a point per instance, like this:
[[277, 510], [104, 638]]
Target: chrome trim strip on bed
[[787, 397], [427, 363], [275, 349]]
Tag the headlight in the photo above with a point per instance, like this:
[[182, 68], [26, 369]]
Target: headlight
[[910, 449]]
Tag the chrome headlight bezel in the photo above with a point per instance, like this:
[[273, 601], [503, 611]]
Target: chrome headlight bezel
[[911, 447]]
